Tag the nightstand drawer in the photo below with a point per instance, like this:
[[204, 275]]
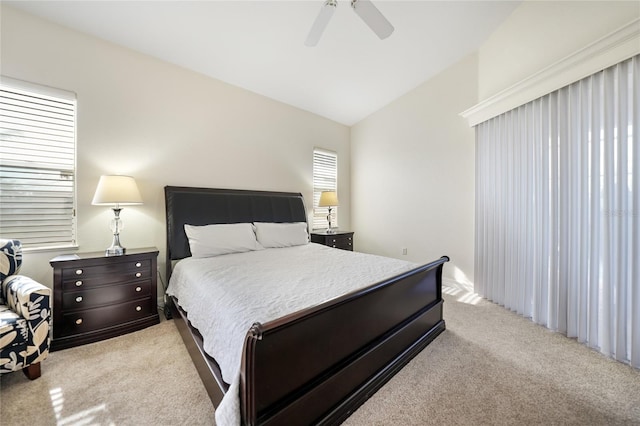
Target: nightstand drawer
[[340, 242], [88, 298], [91, 276], [99, 318], [339, 239]]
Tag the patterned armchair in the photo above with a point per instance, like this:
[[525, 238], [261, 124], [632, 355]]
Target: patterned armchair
[[25, 315]]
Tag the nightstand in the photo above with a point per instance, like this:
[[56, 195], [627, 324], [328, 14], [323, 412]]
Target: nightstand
[[97, 297], [339, 239]]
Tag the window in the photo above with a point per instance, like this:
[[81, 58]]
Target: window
[[37, 164], [325, 178]]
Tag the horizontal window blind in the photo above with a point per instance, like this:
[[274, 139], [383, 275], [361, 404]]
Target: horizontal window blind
[[325, 178], [37, 164]]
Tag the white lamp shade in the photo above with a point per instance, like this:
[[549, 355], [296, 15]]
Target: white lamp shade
[[121, 190], [328, 199]]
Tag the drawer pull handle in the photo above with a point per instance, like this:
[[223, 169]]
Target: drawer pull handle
[[79, 321], [78, 271], [138, 274], [78, 283], [138, 288], [138, 264], [79, 299], [138, 308]]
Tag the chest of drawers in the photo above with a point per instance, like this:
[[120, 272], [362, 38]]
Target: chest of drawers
[[339, 239], [96, 297]]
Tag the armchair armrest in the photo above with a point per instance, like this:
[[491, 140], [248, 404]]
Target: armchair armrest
[[27, 298], [32, 301]]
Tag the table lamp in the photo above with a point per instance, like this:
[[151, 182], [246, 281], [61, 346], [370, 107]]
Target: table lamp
[[328, 199], [116, 191]]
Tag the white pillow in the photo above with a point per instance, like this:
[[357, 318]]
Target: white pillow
[[281, 234], [214, 240]]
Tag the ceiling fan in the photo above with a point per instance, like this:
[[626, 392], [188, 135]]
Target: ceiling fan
[[363, 8]]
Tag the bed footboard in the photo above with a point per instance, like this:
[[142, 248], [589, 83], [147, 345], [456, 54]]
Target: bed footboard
[[320, 364]]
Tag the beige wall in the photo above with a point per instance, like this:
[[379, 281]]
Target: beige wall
[[540, 33], [412, 174], [163, 125]]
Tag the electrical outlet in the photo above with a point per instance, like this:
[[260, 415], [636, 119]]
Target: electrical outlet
[[404, 251]]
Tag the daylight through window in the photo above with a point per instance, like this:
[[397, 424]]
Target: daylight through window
[[37, 164], [325, 178]]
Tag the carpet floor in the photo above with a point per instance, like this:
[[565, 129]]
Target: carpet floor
[[489, 367]]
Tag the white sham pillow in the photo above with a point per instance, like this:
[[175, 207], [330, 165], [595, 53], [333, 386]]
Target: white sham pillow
[[281, 234], [215, 240]]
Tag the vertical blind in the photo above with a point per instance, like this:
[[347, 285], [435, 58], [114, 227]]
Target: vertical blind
[[37, 164], [558, 211], [325, 178]]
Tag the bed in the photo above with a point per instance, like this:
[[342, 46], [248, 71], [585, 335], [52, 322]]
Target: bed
[[315, 365]]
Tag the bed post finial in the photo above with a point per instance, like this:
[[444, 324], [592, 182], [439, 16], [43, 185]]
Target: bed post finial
[[256, 331]]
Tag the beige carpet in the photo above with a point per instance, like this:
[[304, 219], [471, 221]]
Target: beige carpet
[[142, 378], [489, 367]]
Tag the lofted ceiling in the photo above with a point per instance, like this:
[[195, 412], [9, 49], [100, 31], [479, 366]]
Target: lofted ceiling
[[259, 45]]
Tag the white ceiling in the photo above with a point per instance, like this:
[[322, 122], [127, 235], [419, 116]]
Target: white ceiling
[[259, 45]]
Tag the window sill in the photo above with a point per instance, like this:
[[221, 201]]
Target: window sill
[[50, 249]]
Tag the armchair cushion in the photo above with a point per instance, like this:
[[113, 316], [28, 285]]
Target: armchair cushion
[[13, 338], [9, 321]]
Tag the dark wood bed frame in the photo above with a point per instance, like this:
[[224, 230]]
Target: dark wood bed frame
[[318, 365]]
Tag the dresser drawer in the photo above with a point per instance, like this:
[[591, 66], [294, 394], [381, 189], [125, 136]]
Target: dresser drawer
[[106, 295], [74, 278], [78, 322], [96, 297]]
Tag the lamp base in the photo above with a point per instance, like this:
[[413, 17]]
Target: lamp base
[[330, 230], [115, 251]]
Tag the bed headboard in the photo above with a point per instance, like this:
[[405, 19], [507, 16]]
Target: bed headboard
[[205, 206]]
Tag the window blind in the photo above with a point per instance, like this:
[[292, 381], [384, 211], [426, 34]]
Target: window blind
[[325, 178], [37, 164]]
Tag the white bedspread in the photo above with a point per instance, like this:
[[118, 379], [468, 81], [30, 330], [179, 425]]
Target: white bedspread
[[225, 295]]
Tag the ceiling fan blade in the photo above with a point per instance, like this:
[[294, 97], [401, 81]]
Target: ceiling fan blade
[[372, 17], [323, 18]]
